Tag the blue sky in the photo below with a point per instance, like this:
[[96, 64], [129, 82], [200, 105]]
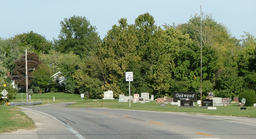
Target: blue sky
[[44, 16]]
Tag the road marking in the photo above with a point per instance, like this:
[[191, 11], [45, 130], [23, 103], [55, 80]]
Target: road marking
[[203, 134], [125, 116], [105, 112], [155, 123]]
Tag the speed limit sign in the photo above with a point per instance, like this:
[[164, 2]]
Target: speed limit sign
[[129, 76]]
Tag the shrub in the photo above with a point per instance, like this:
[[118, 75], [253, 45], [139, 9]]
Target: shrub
[[250, 97]]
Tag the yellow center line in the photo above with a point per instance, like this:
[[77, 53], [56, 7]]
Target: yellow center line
[[125, 116], [203, 134], [155, 123]]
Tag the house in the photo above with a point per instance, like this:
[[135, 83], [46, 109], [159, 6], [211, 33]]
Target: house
[[58, 77]]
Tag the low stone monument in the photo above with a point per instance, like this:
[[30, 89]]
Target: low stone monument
[[235, 100], [160, 100], [152, 98], [225, 101], [136, 98], [217, 101], [169, 100], [145, 96], [122, 98], [108, 95]]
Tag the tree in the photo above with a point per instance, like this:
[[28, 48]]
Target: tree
[[66, 63], [19, 71], [38, 42], [118, 50], [218, 46], [42, 77], [77, 35]]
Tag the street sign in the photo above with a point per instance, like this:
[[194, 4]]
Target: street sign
[[82, 95], [4, 85], [129, 76], [4, 97], [4, 92]]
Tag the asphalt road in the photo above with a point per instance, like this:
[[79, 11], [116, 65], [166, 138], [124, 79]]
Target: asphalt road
[[95, 123]]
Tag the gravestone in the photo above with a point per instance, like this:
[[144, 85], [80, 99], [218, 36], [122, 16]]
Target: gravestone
[[169, 100], [217, 101], [145, 96], [235, 100], [225, 101], [186, 103], [136, 98], [207, 102], [160, 100], [122, 98], [108, 95], [152, 98]]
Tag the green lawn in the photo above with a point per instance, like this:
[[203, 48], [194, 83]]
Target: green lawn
[[48, 97], [233, 110], [11, 119]]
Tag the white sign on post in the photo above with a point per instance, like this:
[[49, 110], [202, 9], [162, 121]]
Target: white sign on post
[[4, 92], [129, 76]]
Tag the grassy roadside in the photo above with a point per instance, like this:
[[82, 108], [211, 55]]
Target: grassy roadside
[[233, 110], [48, 98], [12, 119]]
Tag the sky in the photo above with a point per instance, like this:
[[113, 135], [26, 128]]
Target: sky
[[44, 16]]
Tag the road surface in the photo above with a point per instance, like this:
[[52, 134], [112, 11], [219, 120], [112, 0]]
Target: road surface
[[97, 123]]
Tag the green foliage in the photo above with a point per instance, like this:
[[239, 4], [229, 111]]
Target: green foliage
[[250, 97], [38, 42], [19, 73], [42, 77], [77, 35]]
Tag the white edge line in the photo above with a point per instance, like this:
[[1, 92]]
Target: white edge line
[[67, 126]]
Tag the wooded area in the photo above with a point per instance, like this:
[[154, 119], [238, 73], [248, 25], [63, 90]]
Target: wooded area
[[163, 59]]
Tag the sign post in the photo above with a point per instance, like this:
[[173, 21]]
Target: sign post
[[4, 93], [129, 78]]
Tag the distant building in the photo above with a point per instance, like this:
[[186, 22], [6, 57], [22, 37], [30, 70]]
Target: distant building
[[58, 77]]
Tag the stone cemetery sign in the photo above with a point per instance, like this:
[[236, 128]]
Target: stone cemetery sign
[[188, 96], [108, 95]]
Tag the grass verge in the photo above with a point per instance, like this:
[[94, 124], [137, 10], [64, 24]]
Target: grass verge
[[12, 119], [232, 110], [48, 98]]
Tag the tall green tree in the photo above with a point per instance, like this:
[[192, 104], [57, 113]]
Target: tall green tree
[[218, 46], [42, 77], [118, 50], [36, 41], [77, 35]]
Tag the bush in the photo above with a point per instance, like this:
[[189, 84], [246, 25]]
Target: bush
[[250, 97]]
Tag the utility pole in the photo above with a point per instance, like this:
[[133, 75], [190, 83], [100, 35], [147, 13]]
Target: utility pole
[[26, 64], [201, 53]]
